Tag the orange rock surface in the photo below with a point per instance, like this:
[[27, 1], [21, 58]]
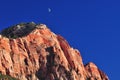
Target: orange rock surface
[[43, 55]]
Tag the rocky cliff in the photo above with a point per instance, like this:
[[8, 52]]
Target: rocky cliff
[[32, 52]]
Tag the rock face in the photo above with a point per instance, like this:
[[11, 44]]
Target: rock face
[[39, 54]]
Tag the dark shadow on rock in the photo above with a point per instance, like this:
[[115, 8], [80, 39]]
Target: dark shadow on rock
[[52, 68], [45, 68]]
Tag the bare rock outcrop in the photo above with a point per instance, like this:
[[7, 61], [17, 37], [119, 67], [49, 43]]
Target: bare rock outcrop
[[36, 53]]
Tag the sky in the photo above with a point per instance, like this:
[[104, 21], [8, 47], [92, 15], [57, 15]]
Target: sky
[[91, 26]]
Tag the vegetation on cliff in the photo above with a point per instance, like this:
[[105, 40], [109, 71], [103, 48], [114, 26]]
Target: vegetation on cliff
[[6, 77], [18, 30]]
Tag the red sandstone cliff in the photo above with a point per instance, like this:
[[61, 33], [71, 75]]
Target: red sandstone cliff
[[43, 55]]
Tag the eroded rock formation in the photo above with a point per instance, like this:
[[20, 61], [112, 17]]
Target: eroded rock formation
[[36, 53]]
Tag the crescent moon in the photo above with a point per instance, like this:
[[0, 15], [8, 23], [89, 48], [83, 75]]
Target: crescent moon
[[49, 10]]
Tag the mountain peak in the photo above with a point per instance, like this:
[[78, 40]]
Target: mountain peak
[[39, 54]]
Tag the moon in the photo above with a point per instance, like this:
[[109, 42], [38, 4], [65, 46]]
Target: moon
[[49, 10]]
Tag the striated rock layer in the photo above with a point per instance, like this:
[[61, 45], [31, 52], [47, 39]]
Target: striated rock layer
[[43, 55]]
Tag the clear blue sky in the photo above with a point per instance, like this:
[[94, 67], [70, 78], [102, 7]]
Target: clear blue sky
[[92, 26]]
